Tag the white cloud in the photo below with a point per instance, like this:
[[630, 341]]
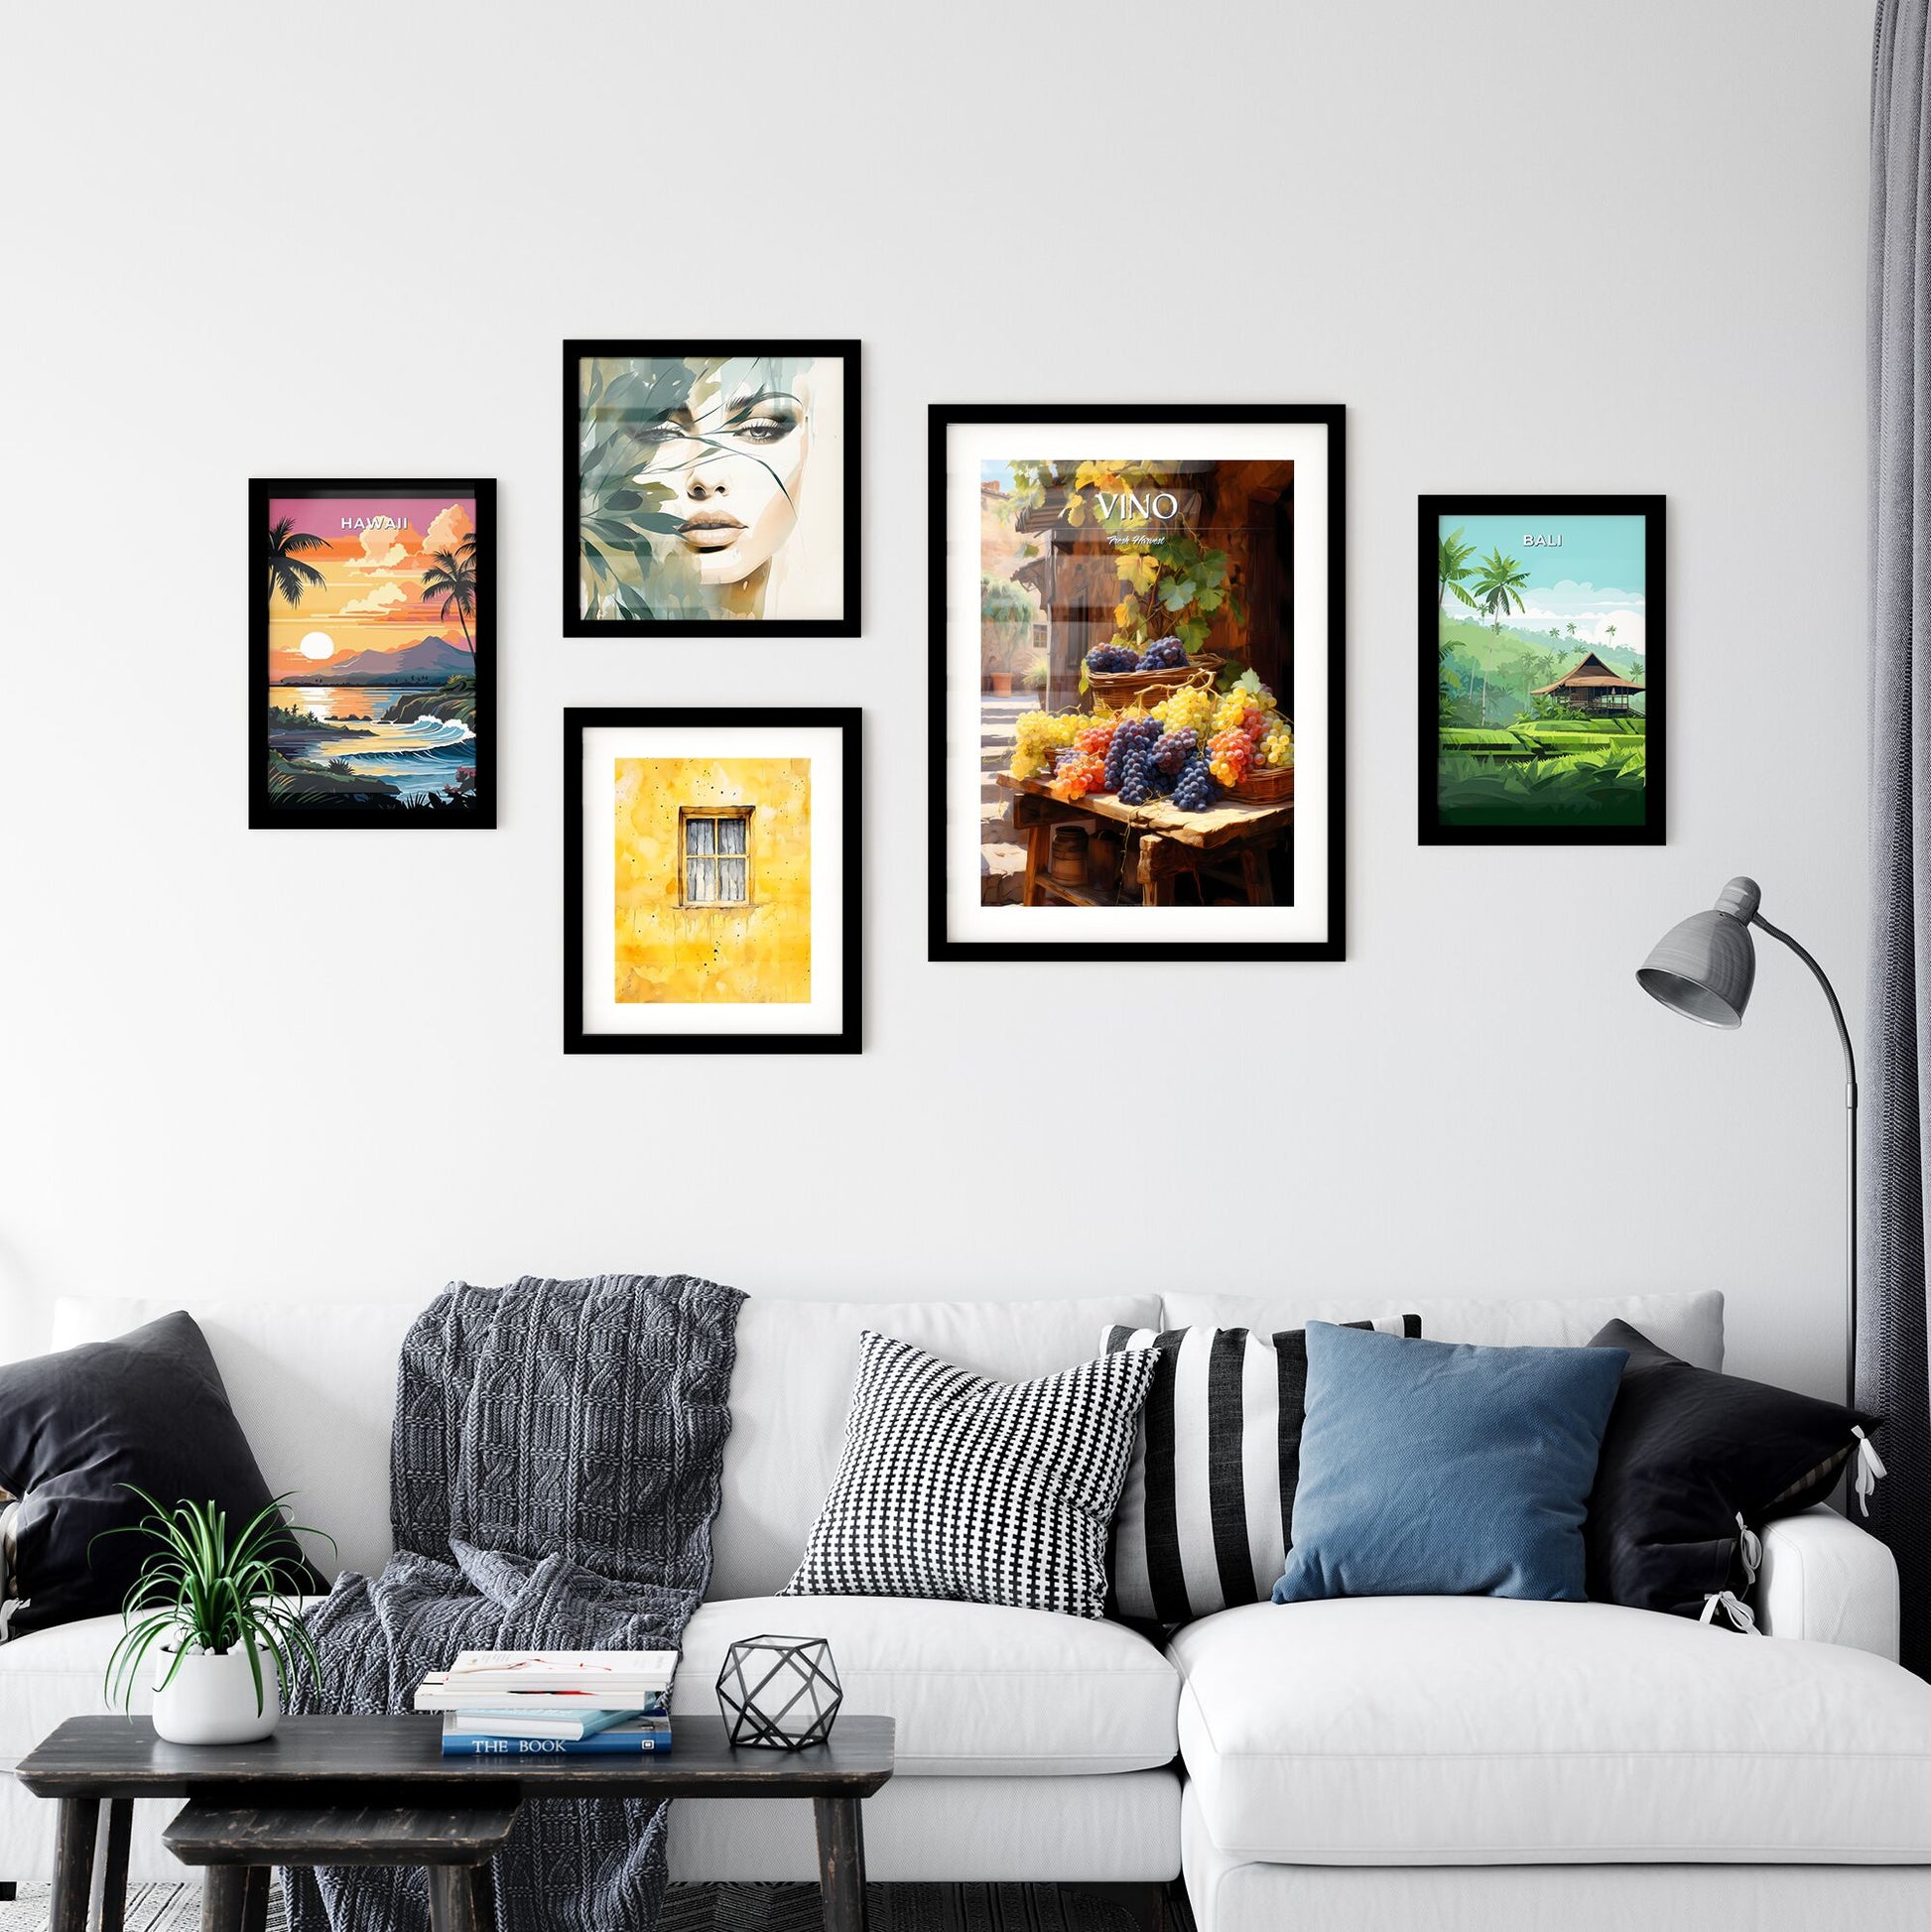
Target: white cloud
[[378, 600]]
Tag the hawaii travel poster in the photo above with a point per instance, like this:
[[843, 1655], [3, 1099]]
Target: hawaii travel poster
[[1542, 705], [373, 620]]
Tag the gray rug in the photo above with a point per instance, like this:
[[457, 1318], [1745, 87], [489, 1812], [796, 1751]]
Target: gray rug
[[715, 1908]]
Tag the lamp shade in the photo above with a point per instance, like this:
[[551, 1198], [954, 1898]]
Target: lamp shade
[[1704, 965]]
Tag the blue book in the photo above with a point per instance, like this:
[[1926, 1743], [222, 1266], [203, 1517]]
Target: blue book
[[620, 1740]]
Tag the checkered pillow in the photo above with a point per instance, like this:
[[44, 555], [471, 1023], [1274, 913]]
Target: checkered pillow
[[956, 1486]]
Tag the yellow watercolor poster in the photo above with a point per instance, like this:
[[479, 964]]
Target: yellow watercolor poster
[[714, 881]]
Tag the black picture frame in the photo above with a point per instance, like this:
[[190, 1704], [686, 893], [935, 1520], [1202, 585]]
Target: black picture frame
[[480, 814], [849, 720], [1653, 509], [1333, 417], [848, 623]]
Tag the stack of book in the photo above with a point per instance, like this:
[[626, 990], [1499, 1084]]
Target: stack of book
[[535, 1702]]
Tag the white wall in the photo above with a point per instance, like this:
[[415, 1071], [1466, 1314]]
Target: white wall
[[1614, 246]]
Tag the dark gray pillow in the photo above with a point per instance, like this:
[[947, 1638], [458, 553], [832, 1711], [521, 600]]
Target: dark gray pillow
[[147, 1408], [1690, 1461]]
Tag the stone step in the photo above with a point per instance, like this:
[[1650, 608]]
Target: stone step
[[1002, 870], [996, 822]]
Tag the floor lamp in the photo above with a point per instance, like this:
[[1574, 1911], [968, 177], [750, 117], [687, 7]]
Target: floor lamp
[[1704, 969]]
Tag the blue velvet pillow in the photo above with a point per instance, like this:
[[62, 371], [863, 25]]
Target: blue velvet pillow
[[1436, 1468]]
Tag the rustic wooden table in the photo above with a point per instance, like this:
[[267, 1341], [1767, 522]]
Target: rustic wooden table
[[1170, 841], [318, 1774]]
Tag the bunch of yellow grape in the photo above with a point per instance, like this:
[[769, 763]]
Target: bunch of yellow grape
[[1231, 708], [1187, 710], [1041, 734], [1277, 746]]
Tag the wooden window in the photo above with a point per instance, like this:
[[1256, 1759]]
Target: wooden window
[[715, 850]]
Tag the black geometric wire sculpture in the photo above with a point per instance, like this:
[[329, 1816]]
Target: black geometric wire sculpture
[[779, 1693]]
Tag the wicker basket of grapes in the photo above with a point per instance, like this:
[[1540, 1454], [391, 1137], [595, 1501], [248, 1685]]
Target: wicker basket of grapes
[[1119, 676], [1266, 784]]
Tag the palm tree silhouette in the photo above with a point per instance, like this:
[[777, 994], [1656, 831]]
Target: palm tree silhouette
[[285, 571], [1572, 629], [1609, 632], [452, 576], [1499, 587], [1451, 567]]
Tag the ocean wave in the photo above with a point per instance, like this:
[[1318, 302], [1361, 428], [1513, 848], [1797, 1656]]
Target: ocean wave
[[409, 755], [430, 730]]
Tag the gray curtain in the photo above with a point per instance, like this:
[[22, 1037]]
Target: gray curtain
[[1892, 1363]]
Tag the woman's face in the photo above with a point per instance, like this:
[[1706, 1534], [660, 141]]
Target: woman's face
[[734, 454]]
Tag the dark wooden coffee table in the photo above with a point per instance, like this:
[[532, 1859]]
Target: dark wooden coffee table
[[395, 1765]]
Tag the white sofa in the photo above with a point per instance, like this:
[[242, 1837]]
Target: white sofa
[[1371, 1764]]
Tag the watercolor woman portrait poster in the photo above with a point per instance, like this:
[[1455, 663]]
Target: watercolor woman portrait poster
[[711, 484], [1137, 682], [1543, 709], [373, 619], [710, 881]]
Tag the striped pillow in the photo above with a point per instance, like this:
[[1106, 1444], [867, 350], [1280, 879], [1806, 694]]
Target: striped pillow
[[1207, 1510]]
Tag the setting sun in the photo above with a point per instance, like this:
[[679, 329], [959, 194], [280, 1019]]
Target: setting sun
[[318, 644]]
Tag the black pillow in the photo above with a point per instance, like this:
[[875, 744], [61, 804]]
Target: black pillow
[[1687, 1453], [147, 1408]]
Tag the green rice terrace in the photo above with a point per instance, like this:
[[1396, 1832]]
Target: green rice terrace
[[1543, 771]]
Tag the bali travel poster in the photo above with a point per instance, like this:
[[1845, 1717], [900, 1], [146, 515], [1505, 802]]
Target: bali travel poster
[[1542, 703], [373, 623]]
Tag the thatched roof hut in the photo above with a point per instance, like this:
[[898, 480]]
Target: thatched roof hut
[[1592, 687]]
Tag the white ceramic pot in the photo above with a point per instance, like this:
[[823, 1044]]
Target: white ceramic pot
[[211, 1699]]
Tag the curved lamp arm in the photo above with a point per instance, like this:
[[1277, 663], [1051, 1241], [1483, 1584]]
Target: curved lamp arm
[[1850, 1154], [1830, 994]]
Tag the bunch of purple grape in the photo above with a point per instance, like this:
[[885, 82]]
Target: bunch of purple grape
[[1112, 657], [1197, 789], [1173, 752], [1164, 653], [1133, 786]]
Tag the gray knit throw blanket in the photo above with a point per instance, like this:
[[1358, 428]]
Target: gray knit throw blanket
[[554, 1474]]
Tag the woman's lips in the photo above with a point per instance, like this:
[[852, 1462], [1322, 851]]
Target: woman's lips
[[712, 530]]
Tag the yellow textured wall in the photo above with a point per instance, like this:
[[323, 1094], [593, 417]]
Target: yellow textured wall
[[759, 954]]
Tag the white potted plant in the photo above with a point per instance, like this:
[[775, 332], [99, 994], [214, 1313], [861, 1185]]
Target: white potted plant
[[219, 1621]]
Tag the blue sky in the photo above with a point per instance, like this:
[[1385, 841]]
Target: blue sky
[[1594, 579]]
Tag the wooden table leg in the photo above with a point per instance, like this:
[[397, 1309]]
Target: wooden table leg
[[841, 1862], [1039, 840], [254, 1900], [113, 1871], [73, 1863], [225, 1897], [458, 1899]]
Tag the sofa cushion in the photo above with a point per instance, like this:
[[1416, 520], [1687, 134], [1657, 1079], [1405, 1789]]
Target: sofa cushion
[[1474, 1730], [1693, 1465], [978, 1691], [92, 1441], [1445, 1469], [974, 1489], [796, 1363], [1208, 1498], [1690, 1325], [314, 1386]]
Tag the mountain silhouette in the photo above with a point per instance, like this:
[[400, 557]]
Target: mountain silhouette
[[428, 657]]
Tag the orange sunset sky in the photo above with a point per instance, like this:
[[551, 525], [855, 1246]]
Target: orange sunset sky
[[372, 600]]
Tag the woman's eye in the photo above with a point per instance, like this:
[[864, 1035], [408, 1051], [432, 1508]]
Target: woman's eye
[[659, 432], [763, 429]]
